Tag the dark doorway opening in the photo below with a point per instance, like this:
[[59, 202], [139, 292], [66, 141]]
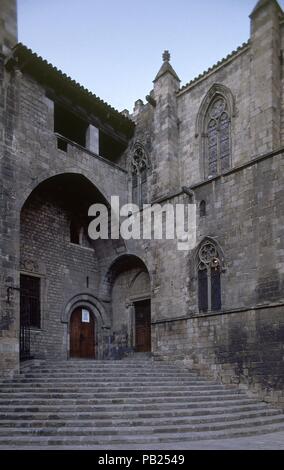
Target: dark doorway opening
[[143, 326]]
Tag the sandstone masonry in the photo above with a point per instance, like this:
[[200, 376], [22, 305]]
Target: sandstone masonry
[[217, 142]]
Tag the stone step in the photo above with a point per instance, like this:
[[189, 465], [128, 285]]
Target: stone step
[[82, 388], [103, 379], [109, 374], [110, 371], [103, 421], [14, 414], [122, 401], [153, 429], [85, 442], [91, 403], [93, 385], [135, 407], [99, 363], [116, 373], [121, 365], [125, 394]]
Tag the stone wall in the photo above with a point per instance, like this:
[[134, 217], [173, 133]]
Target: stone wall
[[235, 76], [243, 347], [63, 268], [9, 252], [8, 25], [245, 214], [243, 343], [29, 156]]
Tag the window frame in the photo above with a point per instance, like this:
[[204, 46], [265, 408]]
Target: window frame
[[209, 264], [218, 129], [36, 325], [222, 91]]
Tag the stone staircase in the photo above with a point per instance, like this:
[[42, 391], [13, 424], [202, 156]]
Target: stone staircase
[[129, 402]]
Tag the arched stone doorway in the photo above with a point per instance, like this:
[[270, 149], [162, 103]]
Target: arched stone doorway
[[88, 302], [82, 332], [129, 287]]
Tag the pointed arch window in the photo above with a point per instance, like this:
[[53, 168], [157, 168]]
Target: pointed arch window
[[139, 172], [214, 129], [209, 278], [218, 139]]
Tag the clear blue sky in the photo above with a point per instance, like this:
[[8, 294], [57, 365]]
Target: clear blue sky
[[114, 47]]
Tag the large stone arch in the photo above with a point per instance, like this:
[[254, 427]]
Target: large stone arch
[[115, 266], [43, 177], [64, 269]]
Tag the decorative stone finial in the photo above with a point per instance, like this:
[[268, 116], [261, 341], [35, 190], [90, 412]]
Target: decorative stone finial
[[166, 68], [166, 56]]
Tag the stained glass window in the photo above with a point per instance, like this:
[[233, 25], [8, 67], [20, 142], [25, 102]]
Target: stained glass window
[[218, 137]]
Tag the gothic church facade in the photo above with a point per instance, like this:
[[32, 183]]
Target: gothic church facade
[[217, 142]]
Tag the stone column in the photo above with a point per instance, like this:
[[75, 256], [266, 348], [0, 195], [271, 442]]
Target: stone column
[[92, 139], [131, 324]]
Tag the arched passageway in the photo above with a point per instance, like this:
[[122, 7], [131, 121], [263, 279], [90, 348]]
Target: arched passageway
[[128, 284], [57, 260]]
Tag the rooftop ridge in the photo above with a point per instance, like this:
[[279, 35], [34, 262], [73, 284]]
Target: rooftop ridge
[[20, 46], [215, 66]]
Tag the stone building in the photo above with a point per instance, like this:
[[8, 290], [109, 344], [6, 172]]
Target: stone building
[[217, 142]]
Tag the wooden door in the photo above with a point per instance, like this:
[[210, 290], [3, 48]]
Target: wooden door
[[143, 326], [82, 334]]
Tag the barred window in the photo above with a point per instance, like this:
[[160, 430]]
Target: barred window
[[30, 301]]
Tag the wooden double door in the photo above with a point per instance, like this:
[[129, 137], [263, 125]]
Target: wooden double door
[[82, 334], [143, 326]]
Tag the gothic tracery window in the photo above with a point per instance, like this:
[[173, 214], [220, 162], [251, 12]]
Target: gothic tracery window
[[209, 278], [139, 171], [218, 142]]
